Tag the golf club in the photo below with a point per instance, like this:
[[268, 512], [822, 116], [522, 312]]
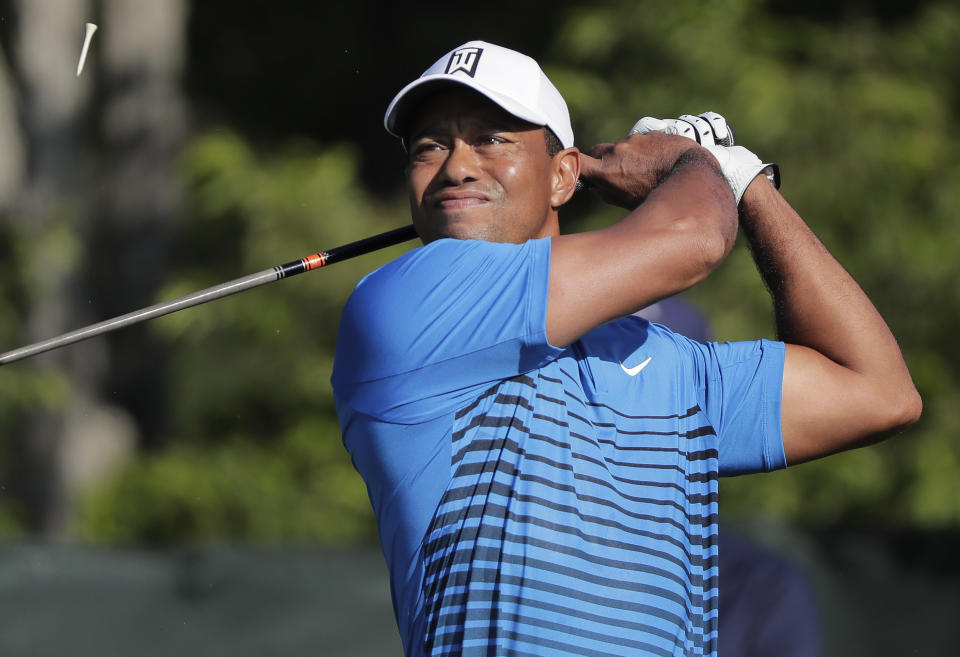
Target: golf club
[[308, 263]]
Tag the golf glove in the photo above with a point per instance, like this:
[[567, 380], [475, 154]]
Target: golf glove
[[711, 130]]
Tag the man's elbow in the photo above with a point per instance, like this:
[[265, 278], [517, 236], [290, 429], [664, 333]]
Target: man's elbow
[[887, 415], [712, 239], [896, 411], [723, 226], [717, 244], [909, 409]]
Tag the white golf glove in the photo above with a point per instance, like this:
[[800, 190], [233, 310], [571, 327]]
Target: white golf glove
[[712, 131]]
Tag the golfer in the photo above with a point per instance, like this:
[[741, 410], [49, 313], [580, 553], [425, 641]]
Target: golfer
[[542, 463]]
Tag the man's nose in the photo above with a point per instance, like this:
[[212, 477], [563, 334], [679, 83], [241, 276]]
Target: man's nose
[[462, 163]]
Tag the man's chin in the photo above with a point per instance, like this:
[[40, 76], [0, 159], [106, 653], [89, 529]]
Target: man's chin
[[463, 225]]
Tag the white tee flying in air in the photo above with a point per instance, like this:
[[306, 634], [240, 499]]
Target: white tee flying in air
[[91, 28]]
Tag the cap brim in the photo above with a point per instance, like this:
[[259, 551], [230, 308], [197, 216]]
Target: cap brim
[[402, 107]]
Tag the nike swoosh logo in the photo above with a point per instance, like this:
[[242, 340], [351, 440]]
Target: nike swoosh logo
[[633, 371]]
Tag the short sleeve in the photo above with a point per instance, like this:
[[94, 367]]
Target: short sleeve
[[424, 334], [742, 389]]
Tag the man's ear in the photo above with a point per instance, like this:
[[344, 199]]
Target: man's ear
[[566, 172]]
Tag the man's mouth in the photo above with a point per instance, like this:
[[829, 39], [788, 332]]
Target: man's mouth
[[458, 200]]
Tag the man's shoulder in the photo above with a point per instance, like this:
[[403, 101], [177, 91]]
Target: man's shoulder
[[439, 269], [443, 318], [430, 261]]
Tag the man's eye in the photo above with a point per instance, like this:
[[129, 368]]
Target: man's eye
[[487, 140], [424, 148]]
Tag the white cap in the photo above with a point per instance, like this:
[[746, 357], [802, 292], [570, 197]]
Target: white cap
[[510, 79]]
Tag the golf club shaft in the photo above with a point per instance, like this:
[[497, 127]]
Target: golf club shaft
[[314, 261]]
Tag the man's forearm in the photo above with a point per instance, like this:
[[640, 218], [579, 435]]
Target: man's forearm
[[820, 306], [817, 303]]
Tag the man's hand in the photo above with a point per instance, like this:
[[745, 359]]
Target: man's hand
[[740, 166], [707, 129], [625, 173]]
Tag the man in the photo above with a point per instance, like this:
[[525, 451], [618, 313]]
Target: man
[[543, 465]]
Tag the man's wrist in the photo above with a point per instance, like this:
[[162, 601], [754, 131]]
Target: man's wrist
[[759, 187], [757, 200]]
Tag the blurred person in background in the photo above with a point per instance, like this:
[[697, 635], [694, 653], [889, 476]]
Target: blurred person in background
[[767, 604]]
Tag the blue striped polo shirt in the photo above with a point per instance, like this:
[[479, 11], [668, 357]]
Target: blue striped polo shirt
[[533, 500]]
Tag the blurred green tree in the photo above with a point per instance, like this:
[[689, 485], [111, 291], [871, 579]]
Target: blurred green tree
[[255, 450]]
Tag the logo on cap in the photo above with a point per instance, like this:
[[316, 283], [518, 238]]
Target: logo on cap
[[465, 59]]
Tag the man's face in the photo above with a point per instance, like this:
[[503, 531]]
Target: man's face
[[476, 172]]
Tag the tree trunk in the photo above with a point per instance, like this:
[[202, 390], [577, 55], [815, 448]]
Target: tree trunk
[[51, 212], [143, 125], [90, 241], [13, 161]]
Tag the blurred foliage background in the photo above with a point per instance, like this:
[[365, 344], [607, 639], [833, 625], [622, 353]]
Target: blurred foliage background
[[206, 140]]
